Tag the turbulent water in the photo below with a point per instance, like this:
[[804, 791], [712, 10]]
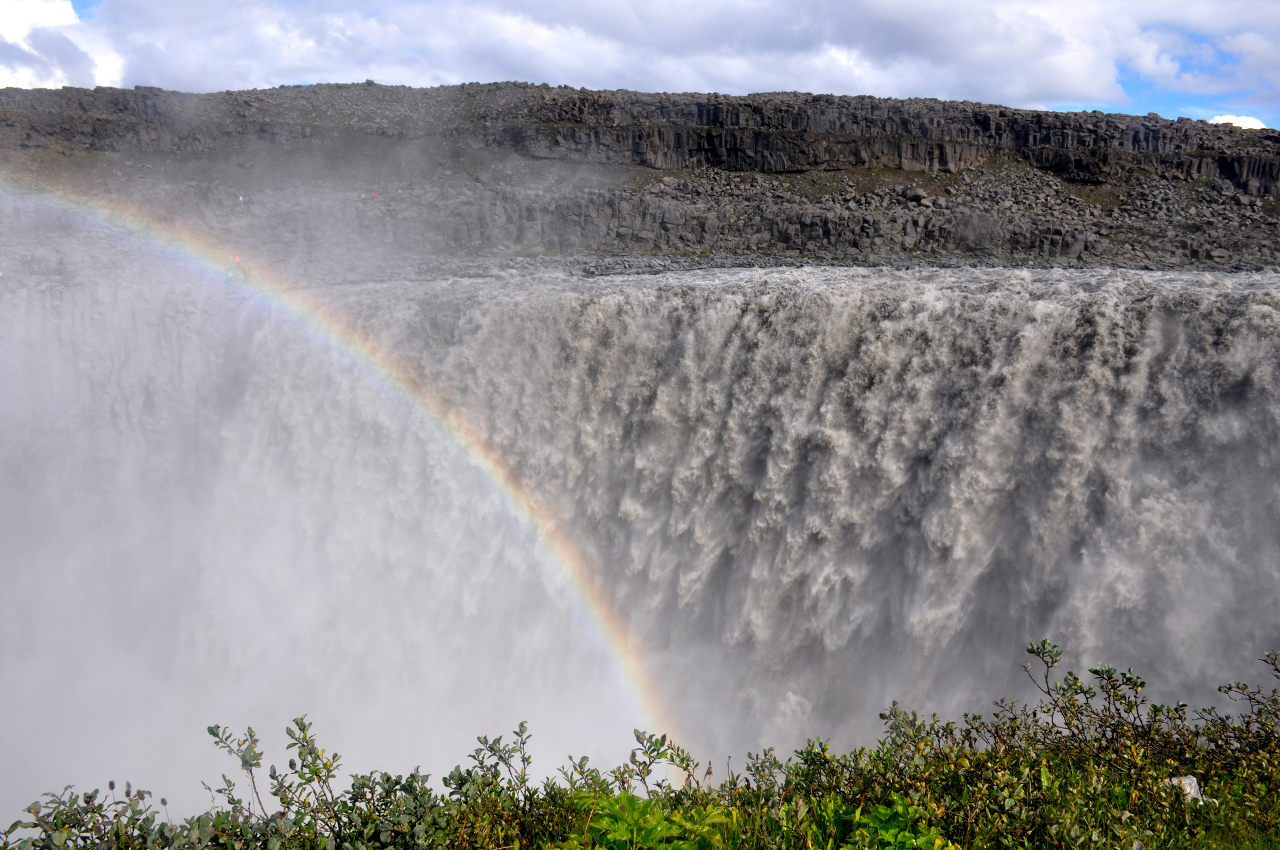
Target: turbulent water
[[807, 492]]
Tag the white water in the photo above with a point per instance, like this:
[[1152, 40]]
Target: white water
[[809, 492], [211, 515]]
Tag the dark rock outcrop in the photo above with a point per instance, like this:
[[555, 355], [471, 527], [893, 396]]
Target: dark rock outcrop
[[512, 167]]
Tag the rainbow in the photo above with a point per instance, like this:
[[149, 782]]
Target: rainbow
[[383, 366]]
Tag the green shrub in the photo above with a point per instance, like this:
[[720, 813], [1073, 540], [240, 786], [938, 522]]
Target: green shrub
[[1088, 764]]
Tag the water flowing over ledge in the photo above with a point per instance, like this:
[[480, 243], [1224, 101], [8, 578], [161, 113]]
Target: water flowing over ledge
[[815, 489]]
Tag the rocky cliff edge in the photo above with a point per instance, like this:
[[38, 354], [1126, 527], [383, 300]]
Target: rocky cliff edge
[[522, 169]]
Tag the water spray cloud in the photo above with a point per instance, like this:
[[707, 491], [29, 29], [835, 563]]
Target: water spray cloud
[[330, 329]]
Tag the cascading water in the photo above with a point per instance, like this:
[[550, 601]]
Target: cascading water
[[212, 512], [807, 492], [817, 490]]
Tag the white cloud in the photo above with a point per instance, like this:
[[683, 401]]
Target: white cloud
[[1206, 58], [19, 17], [1246, 121], [43, 45]]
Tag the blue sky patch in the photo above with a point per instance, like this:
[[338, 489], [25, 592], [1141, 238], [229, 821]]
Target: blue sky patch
[[85, 9]]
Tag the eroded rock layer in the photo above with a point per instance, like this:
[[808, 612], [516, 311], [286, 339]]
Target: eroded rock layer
[[698, 178]]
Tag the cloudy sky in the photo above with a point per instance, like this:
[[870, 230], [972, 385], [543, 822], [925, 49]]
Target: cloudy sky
[[1174, 57]]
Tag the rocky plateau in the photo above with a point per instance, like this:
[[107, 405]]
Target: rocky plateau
[[327, 179]]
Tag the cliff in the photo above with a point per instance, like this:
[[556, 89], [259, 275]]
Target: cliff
[[522, 168]]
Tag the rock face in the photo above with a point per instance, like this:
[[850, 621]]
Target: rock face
[[704, 178]]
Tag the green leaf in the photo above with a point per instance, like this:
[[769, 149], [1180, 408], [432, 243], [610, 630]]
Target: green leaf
[[59, 837]]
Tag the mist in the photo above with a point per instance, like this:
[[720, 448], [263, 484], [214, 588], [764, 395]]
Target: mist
[[213, 513], [805, 492]]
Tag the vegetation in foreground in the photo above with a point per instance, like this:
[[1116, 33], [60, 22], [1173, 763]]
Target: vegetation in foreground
[[1090, 764]]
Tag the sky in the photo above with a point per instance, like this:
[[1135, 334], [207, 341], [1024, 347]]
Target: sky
[[1206, 60]]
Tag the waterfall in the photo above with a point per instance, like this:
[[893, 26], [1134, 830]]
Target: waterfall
[[804, 492], [817, 490]]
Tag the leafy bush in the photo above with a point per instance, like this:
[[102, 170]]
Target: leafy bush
[[1089, 764]]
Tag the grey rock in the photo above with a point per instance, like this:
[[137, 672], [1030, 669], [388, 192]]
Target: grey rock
[[513, 168]]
